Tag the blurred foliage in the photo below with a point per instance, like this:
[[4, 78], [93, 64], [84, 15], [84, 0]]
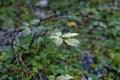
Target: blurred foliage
[[96, 21]]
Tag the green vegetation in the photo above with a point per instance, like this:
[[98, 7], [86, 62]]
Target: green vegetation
[[59, 40]]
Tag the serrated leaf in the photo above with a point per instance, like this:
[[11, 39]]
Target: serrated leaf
[[68, 35], [72, 42], [58, 41]]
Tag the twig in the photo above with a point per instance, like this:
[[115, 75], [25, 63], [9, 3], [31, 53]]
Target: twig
[[35, 36], [19, 59], [53, 16], [40, 75], [12, 42], [25, 67], [31, 7]]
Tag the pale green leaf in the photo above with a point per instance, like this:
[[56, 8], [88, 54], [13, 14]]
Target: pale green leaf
[[68, 35], [51, 77], [103, 25], [58, 33], [72, 42], [58, 41], [25, 24], [33, 22], [26, 31], [64, 77], [54, 37]]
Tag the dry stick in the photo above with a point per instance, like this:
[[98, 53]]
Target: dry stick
[[32, 41], [25, 67], [12, 46], [31, 7], [40, 75], [35, 36], [19, 60]]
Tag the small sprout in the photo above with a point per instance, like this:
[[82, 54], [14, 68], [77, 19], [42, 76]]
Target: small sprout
[[68, 38]]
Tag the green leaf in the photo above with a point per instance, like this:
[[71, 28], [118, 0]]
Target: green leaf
[[25, 24], [103, 25], [10, 78], [40, 29], [25, 79], [72, 42], [58, 41], [64, 77], [3, 77], [58, 33], [35, 69], [33, 22], [68, 35], [54, 37], [26, 31], [40, 66], [51, 77]]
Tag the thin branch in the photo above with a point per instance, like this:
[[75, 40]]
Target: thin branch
[[31, 7], [19, 59], [25, 67], [35, 36], [40, 75], [53, 16], [12, 42]]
